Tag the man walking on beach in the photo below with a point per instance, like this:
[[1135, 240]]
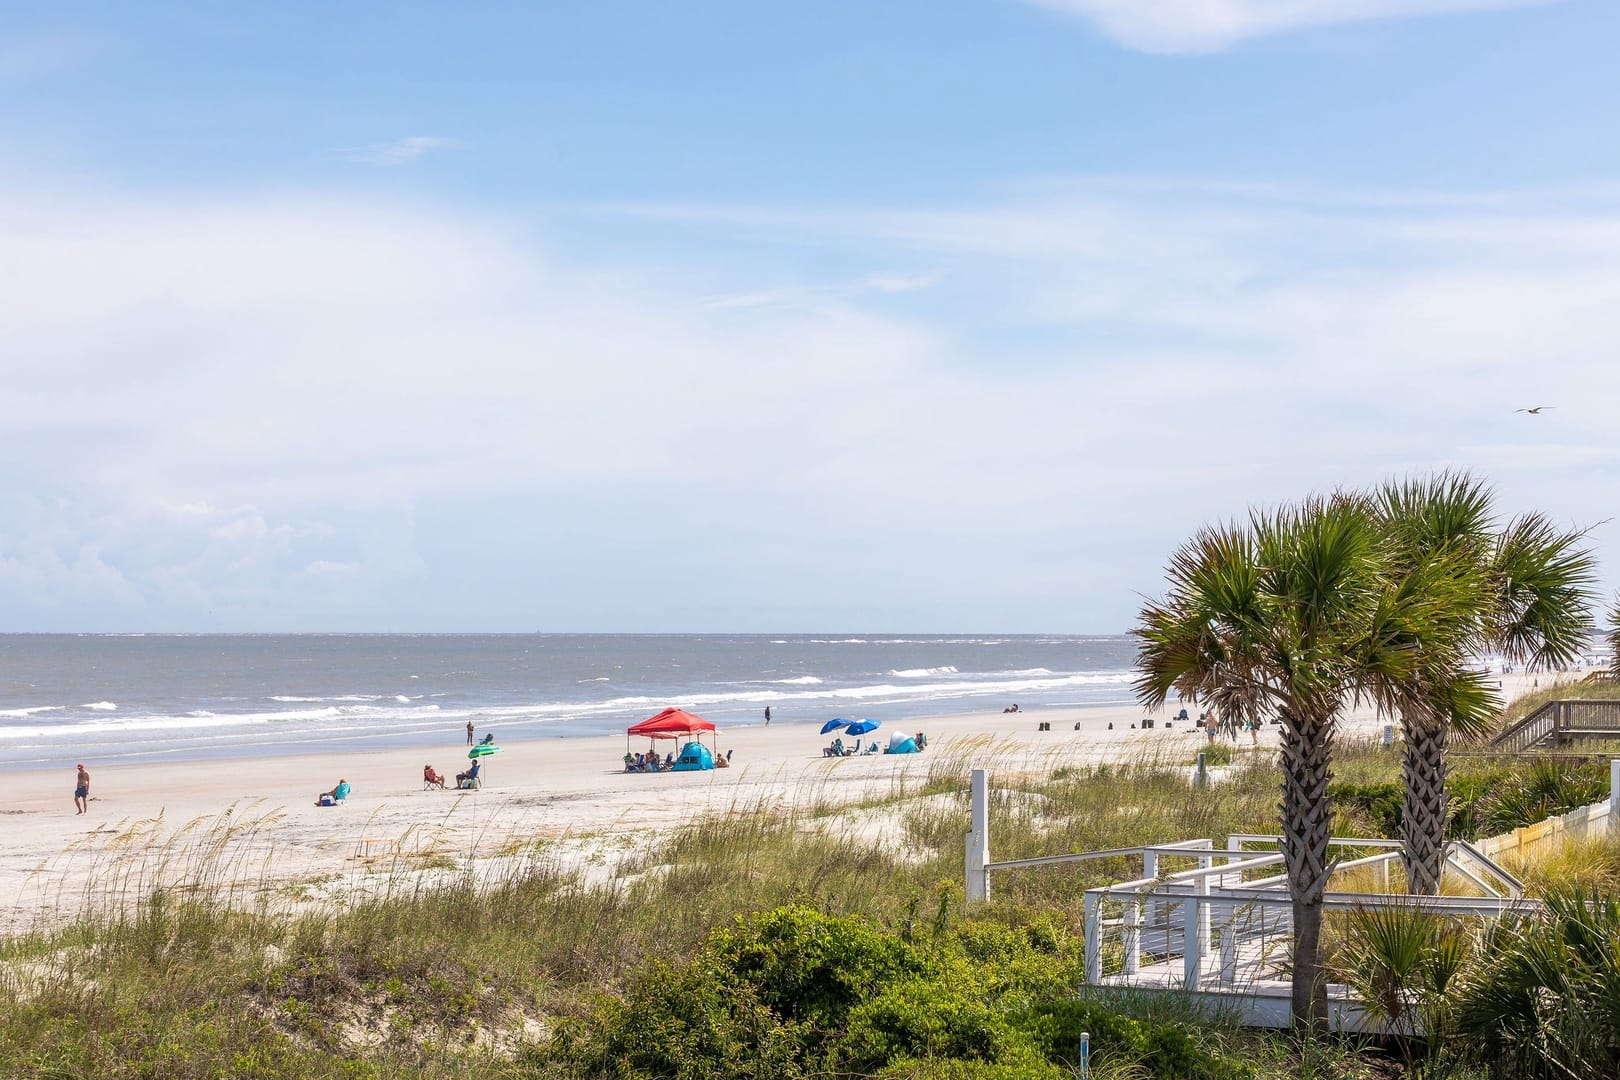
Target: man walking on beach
[[767, 716], [81, 792], [469, 732]]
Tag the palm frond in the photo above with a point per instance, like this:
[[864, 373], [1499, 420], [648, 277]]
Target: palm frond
[[1542, 615]]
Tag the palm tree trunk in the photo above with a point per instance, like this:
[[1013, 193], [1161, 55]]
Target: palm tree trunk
[[1423, 804], [1307, 823]]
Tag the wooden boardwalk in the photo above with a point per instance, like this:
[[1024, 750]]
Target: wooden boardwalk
[[1560, 723]]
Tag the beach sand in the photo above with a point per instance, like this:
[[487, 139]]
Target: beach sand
[[164, 821]]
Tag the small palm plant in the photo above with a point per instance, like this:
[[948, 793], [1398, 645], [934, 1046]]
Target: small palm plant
[[1545, 1000], [1405, 964]]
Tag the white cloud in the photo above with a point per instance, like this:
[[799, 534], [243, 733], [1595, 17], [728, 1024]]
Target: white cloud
[[888, 284], [399, 152], [1192, 26], [307, 414]]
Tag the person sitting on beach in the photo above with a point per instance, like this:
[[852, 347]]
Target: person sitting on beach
[[836, 749], [922, 741], [467, 779], [431, 777], [488, 740], [335, 796], [631, 764], [1011, 708]]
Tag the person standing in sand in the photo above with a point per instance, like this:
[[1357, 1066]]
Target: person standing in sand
[[81, 792], [767, 716], [469, 733]]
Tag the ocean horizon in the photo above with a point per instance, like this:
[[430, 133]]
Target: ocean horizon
[[143, 697]]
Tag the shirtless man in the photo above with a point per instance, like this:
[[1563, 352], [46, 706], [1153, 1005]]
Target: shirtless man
[[81, 792]]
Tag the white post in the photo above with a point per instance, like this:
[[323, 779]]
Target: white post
[[1150, 869], [1133, 937], [1203, 909], [1093, 938], [1193, 915], [978, 841], [1614, 796], [1229, 950]]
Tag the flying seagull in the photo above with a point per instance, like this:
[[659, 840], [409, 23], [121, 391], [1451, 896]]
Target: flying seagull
[[1536, 410]]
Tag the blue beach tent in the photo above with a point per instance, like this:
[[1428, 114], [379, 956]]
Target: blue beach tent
[[694, 756], [901, 743]]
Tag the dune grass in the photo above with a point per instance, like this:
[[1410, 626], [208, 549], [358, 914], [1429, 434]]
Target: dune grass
[[187, 961]]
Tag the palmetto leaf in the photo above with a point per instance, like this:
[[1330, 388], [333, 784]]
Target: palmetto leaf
[[1542, 614]]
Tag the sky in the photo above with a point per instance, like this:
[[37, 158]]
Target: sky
[[724, 316]]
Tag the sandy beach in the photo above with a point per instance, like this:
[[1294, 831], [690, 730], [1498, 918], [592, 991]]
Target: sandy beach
[[570, 793]]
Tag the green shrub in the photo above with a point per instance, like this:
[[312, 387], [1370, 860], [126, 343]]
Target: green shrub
[[805, 965], [690, 1025], [947, 1069], [1377, 805], [1026, 962], [919, 1020], [1164, 1050], [1548, 788], [1487, 800], [1545, 1001]]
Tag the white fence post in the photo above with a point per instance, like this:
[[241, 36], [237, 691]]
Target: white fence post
[[1193, 921], [978, 841], [1133, 937], [1150, 869], [1093, 938], [1229, 949]]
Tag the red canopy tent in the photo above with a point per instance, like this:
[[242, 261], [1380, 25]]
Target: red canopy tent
[[671, 724]]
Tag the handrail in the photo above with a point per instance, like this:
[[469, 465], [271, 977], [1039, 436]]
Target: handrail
[[1538, 718], [1234, 839], [1558, 720], [1082, 856], [1341, 901]]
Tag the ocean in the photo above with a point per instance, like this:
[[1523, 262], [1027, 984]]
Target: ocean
[[112, 699]]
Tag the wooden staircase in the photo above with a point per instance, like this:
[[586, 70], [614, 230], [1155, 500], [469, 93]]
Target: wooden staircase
[[1558, 723]]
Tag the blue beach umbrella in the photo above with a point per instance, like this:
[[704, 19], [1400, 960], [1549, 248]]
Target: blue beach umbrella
[[861, 727], [833, 725]]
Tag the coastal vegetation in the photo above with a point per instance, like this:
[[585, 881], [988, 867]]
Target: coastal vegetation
[[768, 942], [1389, 598]]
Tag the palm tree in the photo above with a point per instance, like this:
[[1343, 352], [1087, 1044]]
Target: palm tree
[[1300, 615], [1522, 594], [1443, 516]]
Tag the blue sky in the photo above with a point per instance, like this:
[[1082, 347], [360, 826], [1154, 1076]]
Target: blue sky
[[635, 316]]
